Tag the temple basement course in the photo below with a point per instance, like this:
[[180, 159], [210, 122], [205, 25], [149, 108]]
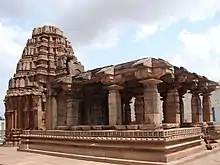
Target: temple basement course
[[132, 111]]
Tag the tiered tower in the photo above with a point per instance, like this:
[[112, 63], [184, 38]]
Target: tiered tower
[[47, 55]]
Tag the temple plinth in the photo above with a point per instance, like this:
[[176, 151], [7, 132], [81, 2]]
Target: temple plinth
[[133, 111]]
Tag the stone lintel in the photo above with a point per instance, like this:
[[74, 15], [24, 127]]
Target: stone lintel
[[151, 81]]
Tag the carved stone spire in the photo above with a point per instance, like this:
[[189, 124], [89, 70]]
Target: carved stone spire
[[47, 55]]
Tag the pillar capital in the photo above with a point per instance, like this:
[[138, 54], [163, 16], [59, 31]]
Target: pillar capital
[[151, 81], [206, 94], [115, 87], [195, 92]]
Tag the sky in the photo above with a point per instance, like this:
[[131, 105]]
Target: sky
[[103, 32]]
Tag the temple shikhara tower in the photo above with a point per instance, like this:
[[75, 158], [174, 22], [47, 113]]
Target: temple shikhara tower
[[47, 56], [134, 111]]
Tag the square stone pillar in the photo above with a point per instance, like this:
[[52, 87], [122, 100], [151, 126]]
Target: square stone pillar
[[139, 109], [196, 108], [16, 119], [114, 105], [152, 106], [172, 110], [12, 119], [207, 108], [35, 113], [182, 108], [27, 113], [127, 109], [54, 118], [72, 111], [163, 99]]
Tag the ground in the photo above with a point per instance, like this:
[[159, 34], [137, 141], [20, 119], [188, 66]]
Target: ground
[[9, 156]]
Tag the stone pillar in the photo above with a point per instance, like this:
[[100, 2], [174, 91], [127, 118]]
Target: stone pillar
[[13, 119], [163, 99], [20, 107], [6, 119], [196, 108], [40, 114], [139, 109], [87, 106], [16, 118], [152, 106], [172, 110], [181, 109], [114, 104], [34, 112], [10, 120], [127, 111], [24, 112], [27, 113], [12, 112], [72, 111], [16, 107], [54, 112], [207, 108]]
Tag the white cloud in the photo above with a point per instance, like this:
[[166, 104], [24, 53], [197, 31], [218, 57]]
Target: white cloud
[[197, 11], [146, 30], [177, 60], [87, 18], [205, 10], [11, 44], [202, 51], [83, 20], [200, 45], [106, 40]]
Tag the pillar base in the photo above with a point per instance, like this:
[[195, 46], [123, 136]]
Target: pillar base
[[150, 127], [170, 125], [81, 127], [199, 124], [132, 127], [63, 128], [120, 127], [210, 123]]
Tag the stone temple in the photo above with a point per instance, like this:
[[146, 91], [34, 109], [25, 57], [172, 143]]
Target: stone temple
[[132, 111]]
